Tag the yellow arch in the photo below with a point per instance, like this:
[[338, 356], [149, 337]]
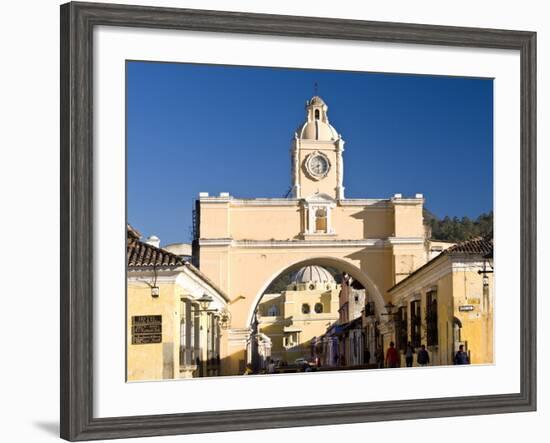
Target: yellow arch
[[333, 262]]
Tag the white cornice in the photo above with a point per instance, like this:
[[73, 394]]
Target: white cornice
[[383, 203], [266, 202], [372, 202], [215, 199], [406, 201], [215, 242], [406, 240], [312, 243], [307, 243]]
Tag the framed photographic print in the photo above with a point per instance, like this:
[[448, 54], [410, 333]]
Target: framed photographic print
[[273, 221]]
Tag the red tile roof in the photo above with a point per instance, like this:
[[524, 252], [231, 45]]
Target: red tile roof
[[475, 247], [139, 254]]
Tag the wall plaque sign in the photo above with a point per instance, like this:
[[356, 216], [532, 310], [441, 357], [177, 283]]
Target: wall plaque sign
[[146, 329], [465, 308]]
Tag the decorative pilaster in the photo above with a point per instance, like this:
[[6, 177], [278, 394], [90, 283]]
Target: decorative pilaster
[[295, 167], [339, 169]]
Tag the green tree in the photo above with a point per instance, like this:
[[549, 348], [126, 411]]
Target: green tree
[[459, 229]]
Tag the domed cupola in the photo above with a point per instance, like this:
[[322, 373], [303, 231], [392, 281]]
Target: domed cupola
[[312, 277], [317, 164], [317, 126]]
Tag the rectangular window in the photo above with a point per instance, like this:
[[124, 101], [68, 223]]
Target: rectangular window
[[416, 322], [432, 318], [401, 328], [321, 220]]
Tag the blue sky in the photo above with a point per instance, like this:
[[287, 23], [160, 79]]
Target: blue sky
[[194, 128]]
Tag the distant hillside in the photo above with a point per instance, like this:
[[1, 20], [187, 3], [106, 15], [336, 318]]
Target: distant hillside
[[459, 229]]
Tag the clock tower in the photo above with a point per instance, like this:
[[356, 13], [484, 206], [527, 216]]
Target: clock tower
[[316, 155]]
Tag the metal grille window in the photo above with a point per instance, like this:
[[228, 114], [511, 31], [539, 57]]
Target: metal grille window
[[401, 328], [431, 318], [416, 322]]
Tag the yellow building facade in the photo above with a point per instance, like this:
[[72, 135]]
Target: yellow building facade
[[175, 315], [447, 303], [244, 244], [216, 317], [299, 314]]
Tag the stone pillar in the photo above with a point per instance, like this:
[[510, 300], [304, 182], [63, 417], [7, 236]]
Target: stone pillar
[[196, 336], [340, 169], [203, 343], [370, 336], [295, 167], [237, 355], [188, 333]]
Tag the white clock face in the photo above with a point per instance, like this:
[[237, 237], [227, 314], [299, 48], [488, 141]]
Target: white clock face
[[318, 165]]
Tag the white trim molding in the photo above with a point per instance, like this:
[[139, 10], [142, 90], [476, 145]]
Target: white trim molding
[[307, 243], [216, 242], [406, 240]]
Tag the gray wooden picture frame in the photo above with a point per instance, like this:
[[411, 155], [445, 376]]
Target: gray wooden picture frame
[[77, 23]]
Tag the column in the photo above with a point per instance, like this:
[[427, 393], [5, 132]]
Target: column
[[196, 335], [188, 333], [340, 169], [203, 340], [295, 167]]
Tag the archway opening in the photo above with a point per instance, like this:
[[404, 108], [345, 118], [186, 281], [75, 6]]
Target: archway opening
[[302, 313]]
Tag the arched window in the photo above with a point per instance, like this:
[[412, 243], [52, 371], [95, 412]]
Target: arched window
[[306, 309], [318, 308], [321, 220], [317, 114]]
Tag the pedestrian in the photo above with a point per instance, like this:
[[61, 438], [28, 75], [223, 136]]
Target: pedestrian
[[379, 357], [271, 367], [367, 356], [461, 357], [409, 351], [423, 358], [342, 360], [392, 357]]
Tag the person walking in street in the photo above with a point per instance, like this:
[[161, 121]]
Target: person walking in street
[[392, 358], [461, 357], [271, 367], [423, 358], [379, 357], [409, 351]]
